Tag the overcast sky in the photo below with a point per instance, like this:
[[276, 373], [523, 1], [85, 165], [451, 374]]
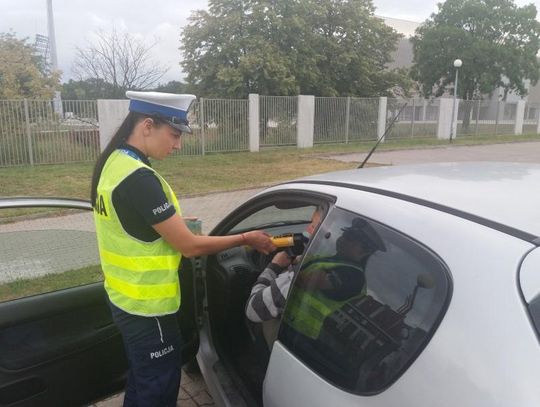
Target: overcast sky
[[76, 20]]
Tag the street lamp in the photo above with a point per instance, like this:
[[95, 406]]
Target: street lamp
[[453, 128]]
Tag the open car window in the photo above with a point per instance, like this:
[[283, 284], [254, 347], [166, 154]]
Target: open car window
[[232, 273], [45, 250]]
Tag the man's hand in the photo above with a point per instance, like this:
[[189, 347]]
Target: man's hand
[[282, 259]]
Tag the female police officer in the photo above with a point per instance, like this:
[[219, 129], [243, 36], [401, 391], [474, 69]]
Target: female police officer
[[142, 236]]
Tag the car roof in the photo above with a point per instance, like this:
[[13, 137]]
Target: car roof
[[501, 192]]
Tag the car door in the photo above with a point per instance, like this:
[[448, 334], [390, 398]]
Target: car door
[[233, 355], [365, 302], [58, 344]]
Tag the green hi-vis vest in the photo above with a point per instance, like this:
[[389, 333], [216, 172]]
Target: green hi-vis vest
[[307, 309], [141, 278]]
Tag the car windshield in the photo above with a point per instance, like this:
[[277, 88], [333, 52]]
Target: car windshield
[[272, 216]]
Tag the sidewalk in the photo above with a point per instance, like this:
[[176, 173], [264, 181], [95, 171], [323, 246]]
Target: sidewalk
[[193, 393], [526, 152], [212, 208]]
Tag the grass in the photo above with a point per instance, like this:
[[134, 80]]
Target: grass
[[52, 282], [217, 172], [66, 180]]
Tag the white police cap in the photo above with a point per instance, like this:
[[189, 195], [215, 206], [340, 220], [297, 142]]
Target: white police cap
[[170, 107]]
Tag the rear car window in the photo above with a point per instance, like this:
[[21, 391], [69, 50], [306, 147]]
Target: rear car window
[[529, 281], [364, 303]]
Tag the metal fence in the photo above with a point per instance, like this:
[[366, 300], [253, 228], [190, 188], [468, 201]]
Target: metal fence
[[345, 119], [277, 120], [479, 117], [219, 125], [419, 118], [332, 116], [476, 117], [363, 119], [33, 132], [531, 118], [38, 132]]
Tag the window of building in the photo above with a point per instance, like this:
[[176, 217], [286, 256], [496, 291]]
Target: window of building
[[364, 304]]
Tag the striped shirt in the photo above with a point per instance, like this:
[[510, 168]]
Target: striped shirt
[[268, 295]]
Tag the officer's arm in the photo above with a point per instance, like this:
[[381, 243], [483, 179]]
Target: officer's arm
[[178, 235]]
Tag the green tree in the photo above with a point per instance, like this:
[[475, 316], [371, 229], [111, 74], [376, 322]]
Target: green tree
[[23, 74], [172, 87], [286, 47], [496, 40], [88, 89], [21, 71]]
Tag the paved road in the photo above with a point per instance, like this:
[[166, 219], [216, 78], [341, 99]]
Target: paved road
[[516, 152], [193, 393]]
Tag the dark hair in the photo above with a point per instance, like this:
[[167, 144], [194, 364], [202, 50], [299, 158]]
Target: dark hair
[[119, 138]]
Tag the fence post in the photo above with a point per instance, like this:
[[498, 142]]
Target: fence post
[[497, 115], [347, 118], [520, 113], [412, 118], [28, 132], [201, 113], [253, 120], [111, 114], [306, 121], [445, 118], [477, 117], [381, 120], [537, 115]]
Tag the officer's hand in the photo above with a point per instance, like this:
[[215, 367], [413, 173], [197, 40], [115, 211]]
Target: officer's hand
[[282, 259], [260, 241]]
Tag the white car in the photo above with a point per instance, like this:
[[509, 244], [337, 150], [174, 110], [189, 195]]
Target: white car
[[444, 311]]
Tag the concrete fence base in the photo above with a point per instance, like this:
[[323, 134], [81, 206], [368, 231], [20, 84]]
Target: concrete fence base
[[111, 114]]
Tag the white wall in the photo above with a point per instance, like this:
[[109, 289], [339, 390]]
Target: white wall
[[306, 121], [445, 118], [111, 114], [253, 122]]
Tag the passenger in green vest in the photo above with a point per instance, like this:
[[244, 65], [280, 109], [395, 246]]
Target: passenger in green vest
[[142, 237], [325, 284]]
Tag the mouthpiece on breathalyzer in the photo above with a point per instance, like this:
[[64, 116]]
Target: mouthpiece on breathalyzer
[[295, 242]]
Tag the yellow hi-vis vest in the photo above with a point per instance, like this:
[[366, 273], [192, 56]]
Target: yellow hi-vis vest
[[307, 309], [141, 278]]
